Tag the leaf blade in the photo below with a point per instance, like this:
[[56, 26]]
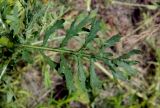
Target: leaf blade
[[81, 74], [95, 27], [75, 28], [57, 25], [94, 80], [65, 69], [129, 54], [112, 41], [51, 63]]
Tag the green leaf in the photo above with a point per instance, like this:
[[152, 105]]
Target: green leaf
[[116, 66], [51, 63], [81, 94], [35, 17], [10, 96], [120, 75], [57, 25], [26, 55], [131, 62], [95, 27], [65, 69], [4, 41], [112, 41], [129, 54], [117, 74], [130, 71], [14, 20], [75, 28], [105, 54], [109, 63], [95, 83], [81, 74], [82, 22]]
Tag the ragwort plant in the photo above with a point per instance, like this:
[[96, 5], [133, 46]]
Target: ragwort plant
[[23, 21]]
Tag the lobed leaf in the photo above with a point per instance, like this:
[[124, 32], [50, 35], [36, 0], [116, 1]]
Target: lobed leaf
[[75, 28], [57, 25], [105, 54], [81, 74], [51, 63], [112, 41], [65, 69], [129, 54], [81, 92], [34, 17], [117, 74], [14, 21], [95, 83], [130, 71], [95, 27], [26, 56]]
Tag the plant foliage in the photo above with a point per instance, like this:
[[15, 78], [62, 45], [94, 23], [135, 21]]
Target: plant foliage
[[21, 24]]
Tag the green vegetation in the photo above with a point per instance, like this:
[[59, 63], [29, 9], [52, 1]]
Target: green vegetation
[[28, 31]]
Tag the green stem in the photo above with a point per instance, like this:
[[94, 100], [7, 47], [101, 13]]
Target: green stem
[[62, 50], [49, 40], [47, 48], [55, 50]]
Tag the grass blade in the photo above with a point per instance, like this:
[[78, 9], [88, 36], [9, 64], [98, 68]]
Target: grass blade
[[4, 69]]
